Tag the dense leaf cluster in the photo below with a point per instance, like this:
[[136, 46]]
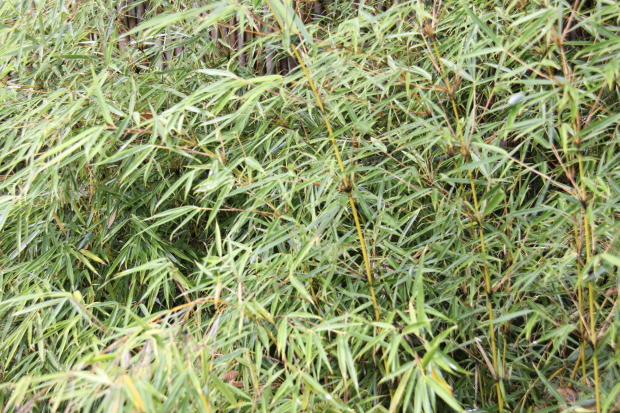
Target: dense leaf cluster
[[421, 215]]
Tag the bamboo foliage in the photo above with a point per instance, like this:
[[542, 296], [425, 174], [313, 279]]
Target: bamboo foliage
[[309, 207]]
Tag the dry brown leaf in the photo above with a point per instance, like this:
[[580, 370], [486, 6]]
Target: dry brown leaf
[[112, 218], [230, 375], [62, 228], [569, 394], [146, 114]]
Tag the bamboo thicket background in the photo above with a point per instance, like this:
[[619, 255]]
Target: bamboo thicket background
[[235, 41], [309, 207]]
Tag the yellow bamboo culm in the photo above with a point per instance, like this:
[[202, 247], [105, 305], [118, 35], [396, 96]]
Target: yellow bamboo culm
[[358, 226], [589, 243]]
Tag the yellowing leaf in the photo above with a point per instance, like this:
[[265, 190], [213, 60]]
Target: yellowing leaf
[[134, 393], [92, 256]]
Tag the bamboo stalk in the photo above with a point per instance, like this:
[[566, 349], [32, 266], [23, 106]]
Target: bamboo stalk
[[241, 44], [591, 285], [342, 169], [269, 59]]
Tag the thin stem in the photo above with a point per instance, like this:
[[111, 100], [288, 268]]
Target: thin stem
[[488, 291], [341, 167], [586, 229]]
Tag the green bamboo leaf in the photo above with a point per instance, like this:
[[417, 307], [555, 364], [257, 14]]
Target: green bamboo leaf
[[482, 26], [157, 23], [226, 392], [611, 398], [400, 390], [441, 391], [286, 16], [300, 287], [103, 105], [550, 387], [254, 164], [506, 317], [156, 264], [612, 259], [493, 203]]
